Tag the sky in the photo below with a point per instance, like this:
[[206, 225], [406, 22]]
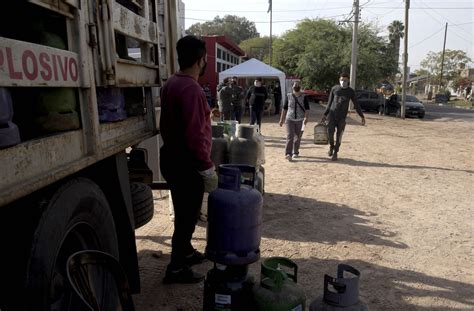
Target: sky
[[427, 19]]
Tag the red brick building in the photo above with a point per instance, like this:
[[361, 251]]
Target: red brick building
[[222, 54]]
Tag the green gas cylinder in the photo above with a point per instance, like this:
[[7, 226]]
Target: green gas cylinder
[[278, 290]]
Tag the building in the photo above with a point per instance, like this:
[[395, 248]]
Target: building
[[222, 54]]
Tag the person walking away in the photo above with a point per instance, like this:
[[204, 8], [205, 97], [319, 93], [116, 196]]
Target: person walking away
[[256, 97], [186, 155], [294, 114], [277, 97], [336, 112], [225, 100], [236, 103]]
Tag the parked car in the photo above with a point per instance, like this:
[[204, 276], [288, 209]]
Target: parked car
[[317, 96], [413, 107], [370, 100]]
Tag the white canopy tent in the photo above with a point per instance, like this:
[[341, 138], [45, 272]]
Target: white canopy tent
[[255, 68]]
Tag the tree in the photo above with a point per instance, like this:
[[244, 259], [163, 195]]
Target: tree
[[454, 60], [258, 48], [396, 32], [306, 52], [235, 27]]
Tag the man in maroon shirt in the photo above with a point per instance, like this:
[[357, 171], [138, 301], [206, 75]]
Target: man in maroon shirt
[[186, 155]]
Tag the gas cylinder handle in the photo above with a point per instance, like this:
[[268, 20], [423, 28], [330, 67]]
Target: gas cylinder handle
[[271, 269], [243, 169]]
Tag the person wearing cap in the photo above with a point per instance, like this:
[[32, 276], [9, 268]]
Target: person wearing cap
[[336, 113]]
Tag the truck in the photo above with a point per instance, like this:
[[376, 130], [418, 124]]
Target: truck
[[78, 109]]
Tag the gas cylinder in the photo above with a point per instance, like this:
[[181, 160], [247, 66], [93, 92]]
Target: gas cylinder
[[56, 110], [111, 102], [278, 290], [261, 146], [9, 133], [341, 293], [234, 217], [244, 149], [321, 134], [219, 146], [228, 288]]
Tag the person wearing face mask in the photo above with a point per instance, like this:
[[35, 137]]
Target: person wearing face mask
[[185, 156], [256, 97], [294, 114], [225, 100], [237, 95], [336, 112]]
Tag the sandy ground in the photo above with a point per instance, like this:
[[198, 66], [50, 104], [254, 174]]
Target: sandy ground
[[398, 206]]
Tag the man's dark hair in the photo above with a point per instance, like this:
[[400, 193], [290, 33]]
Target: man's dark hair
[[190, 49], [235, 78], [259, 79], [226, 80], [344, 75]]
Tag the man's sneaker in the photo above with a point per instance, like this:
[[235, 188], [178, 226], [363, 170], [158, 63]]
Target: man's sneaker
[[295, 156], [288, 157], [334, 156], [182, 276], [330, 152], [195, 258]]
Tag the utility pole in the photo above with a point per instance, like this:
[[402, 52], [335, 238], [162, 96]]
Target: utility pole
[[405, 62], [355, 32], [442, 56], [270, 8]]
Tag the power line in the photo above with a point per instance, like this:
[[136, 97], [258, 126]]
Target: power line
[[267, 22], [427, 38], [324, 9]]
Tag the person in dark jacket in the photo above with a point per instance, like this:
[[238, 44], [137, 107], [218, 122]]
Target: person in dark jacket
[[236, 103], [336, 112], [256, 97], [225, 100], [277, 97], [186, 164]]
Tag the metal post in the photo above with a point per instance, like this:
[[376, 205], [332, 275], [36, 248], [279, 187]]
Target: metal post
[[271, 23], [405, 62], [354, 54], [442, 56]]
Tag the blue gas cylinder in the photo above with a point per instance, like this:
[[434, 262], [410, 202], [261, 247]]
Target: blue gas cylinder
[[234, 217], [9, 133], [111, 102]]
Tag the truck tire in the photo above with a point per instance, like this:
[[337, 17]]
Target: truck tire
[[143, 205], [77, 217]]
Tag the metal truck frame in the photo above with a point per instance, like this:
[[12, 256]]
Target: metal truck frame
[[70, 191]]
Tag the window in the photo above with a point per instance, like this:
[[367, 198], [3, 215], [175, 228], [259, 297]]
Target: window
[[228, 57], [219, 53], [224, 55], [219, 67]]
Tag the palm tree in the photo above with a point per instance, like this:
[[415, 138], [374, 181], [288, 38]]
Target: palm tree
[[396, 32]]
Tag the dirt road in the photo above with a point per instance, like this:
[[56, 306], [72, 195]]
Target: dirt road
[[398, 206]]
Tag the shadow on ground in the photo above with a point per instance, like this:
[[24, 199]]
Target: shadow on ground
[[352, 162], [293, 218]]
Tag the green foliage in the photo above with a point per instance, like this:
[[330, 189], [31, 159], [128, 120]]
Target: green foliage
[[319, 50], [258, 48], [236, 28], [453, 60]]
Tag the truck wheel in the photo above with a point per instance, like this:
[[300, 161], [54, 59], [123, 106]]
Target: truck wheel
[[77, 217], [142, 201]]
